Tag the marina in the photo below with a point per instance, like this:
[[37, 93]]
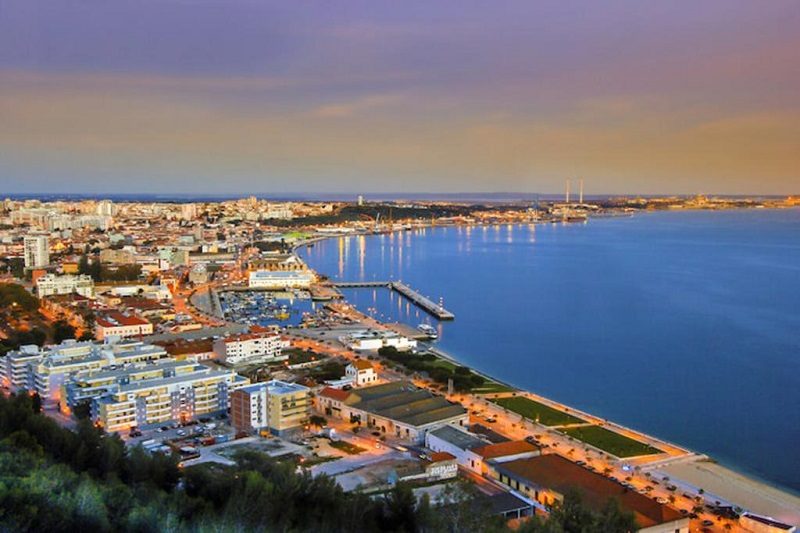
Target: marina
[[267, 308]]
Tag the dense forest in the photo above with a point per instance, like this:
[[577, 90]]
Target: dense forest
[[55, 479]]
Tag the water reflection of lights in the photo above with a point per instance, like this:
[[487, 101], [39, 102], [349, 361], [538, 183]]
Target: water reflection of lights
[[362, 241]]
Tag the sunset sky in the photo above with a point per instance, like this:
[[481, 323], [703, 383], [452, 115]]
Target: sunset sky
[[250, 96]]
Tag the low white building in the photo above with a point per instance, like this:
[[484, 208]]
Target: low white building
[[121, 325], [361, 372], [376, 339], [50, 285], [459, 443], [474, 452], [250, 348], [279, 280], [153, 292]]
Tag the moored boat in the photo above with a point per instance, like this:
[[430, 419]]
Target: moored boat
[[428, 330]]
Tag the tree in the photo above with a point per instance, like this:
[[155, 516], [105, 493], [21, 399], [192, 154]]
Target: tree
[[463, 509], [16, 266], [571, 515], [318, 421], [613, 519], [15, 297], [399, 509], [83, 265], [62, 330]]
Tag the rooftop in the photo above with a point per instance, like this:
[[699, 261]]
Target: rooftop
[[199, 375], [249, 337], [401, 401], [458, 438], [560, 474], [335, 394], [112, 320], [275, 387], [504, 449], [362, 364]]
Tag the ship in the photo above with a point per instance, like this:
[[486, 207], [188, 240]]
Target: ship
[[428, 330]]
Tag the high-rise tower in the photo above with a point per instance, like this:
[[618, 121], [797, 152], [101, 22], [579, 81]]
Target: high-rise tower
[[37, 251]]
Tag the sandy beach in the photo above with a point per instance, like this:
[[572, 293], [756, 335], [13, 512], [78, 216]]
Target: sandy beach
[[746, 492]]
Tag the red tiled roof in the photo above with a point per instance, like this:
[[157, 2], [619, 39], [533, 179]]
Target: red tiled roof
[[335, 394], [118, 319], [441, 456], [559, 474], [504, 449], [361, 364]]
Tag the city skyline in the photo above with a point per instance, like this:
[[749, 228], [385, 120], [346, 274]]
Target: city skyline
[[245, 97]]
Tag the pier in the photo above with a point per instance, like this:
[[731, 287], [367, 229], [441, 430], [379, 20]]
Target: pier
[[362, 284], [416, 298]]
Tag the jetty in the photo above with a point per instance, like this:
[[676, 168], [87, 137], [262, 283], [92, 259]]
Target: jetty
[[426, 304]]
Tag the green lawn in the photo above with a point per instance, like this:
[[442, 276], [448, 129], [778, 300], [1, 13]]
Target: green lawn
[[613, 443], [492, 387], [537, 411], [441, 363]]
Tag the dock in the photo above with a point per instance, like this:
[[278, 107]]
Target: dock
[[362, 284], [407, 331], [413, 296]]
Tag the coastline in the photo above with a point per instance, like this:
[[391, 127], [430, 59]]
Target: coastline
[[696, 470], [721, 482]]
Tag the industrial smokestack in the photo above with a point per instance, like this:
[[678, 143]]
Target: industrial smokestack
[[566, 200], [580, 195]]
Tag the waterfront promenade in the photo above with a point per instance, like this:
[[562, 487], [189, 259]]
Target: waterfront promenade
[[692, 473]]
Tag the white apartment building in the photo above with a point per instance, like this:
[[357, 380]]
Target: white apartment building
[[45, 370], [50, 285], [15, 368], [162, 393], [250, 348], [37, 251]]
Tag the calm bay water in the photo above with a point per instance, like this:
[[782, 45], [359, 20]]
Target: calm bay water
[[685, 325]]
